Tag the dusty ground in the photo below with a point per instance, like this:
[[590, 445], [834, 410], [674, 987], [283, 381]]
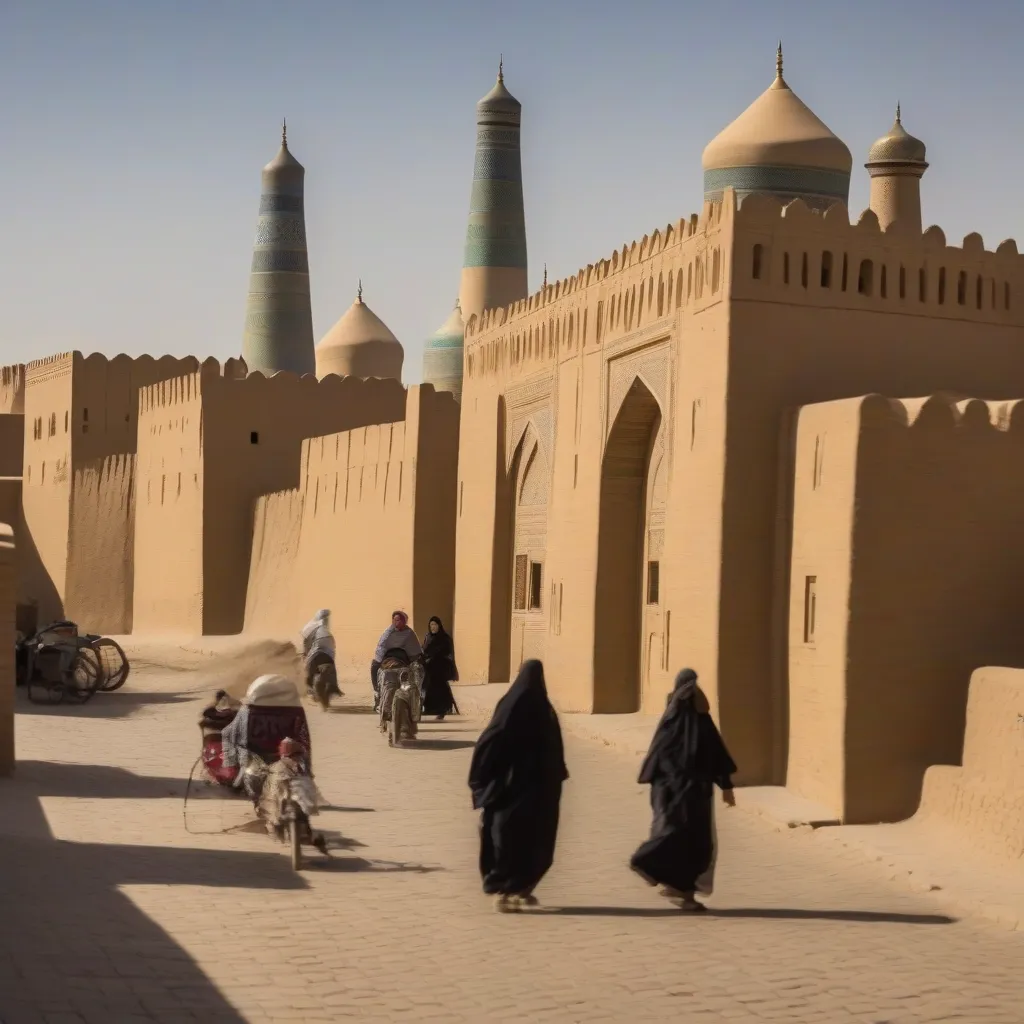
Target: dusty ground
[[119, 908]]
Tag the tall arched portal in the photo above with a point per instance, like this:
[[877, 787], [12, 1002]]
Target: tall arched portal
[[519, 624], [530, 512], [621, 545]]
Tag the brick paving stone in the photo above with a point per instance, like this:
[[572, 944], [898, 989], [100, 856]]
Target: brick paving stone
[[114, 912]]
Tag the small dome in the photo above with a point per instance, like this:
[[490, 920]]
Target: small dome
[[778, 145], [442, 355], [897, 147], [500, 101], [360, 345]]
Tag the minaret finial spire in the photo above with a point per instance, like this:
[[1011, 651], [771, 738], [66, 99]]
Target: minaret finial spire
[[898, 121], [359, 292], [501, 67], [284, 132], [545, 275], [778, 61]]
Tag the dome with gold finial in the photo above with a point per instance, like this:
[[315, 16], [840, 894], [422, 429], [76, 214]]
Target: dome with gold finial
[[284, 165], [898, 146], [360, 345], [500, 101], [778, 146]]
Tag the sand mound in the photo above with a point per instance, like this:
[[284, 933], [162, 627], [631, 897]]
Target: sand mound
[[235, 671], [215, 663]]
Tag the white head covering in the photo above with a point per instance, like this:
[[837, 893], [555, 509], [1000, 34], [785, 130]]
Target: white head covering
[[272, 691], [323, 614]]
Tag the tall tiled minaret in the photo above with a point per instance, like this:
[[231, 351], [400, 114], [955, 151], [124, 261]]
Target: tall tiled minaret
[[494, 266], [278, 318]]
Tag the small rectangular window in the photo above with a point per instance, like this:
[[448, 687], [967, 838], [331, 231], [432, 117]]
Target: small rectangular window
[[810, 607], [653, 582], [520, 583], [254, 437], [536, 575]]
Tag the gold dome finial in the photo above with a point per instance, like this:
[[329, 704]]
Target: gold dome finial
[[359, 293], [501, 68], [284, 132], [778, 61], [898, 121]]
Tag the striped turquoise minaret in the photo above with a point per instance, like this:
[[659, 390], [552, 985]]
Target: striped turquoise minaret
[[494, 265], [278, 317]]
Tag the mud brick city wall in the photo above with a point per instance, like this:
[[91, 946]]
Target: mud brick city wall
[[914, 588], [369, 528], [209, 447]]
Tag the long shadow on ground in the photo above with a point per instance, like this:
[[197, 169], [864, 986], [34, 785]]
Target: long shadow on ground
[[428, 744], [89, 781], [769, 913], [75, 947], [119, 704]]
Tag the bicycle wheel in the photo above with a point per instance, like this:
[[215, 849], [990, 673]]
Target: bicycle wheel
[[113, 662], [83, 677]]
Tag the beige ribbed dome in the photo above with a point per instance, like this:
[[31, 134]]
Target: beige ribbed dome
[[359, 345], [777, 130], [284, 163], [897, 147], [499, 100]]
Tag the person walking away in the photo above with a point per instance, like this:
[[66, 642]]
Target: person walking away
[[319, 651], [439, 662], [516, 778], [397, 635], [686, 760]]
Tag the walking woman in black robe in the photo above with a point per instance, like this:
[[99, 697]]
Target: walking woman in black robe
[[516, 778], [686, 760], [439, 662]]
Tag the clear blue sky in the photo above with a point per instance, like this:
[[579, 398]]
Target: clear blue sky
[[134, 132]]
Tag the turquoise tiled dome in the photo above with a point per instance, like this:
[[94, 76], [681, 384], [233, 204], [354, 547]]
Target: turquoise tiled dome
[[442, 355]]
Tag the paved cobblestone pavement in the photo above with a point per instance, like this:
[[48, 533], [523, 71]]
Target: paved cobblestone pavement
[[113, 912]]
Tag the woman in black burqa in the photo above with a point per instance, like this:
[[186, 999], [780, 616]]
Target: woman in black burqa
[[439, 663], [516, 778], [686, 760]]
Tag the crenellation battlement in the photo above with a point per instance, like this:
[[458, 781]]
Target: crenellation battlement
[[792, 254], [764, 212], [943, 411], [621, 260], [211, 375], [680, 269]]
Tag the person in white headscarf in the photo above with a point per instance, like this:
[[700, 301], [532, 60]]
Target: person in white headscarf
[[319, 650]]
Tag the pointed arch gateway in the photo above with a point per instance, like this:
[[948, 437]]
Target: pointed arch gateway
[[518, 599], [618, 618]]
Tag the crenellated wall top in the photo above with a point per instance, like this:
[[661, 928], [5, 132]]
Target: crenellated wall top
[[190, 387], [943, 410], [621, 260], [767, 214]]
